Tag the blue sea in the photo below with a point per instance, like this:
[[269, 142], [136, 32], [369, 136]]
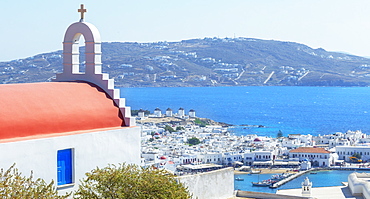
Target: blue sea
[[321, 179], [304, 110]]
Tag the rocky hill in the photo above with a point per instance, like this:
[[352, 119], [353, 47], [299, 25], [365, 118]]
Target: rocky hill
[[206, 62]]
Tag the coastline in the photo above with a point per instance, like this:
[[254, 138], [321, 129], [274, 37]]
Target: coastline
[[266, 171], [173, 119]]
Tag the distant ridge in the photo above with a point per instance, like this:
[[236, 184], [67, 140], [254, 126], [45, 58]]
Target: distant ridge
[[207, 62]]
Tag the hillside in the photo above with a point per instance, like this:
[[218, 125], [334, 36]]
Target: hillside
[[207, 62]]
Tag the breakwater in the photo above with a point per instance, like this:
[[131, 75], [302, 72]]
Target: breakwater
[[289, 178]]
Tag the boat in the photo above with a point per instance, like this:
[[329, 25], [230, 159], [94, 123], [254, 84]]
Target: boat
[[255, 172], [279, 177], [262, 184], [239, 179], [313, 173]]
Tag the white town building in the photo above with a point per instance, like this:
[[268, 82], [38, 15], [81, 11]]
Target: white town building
[[344, 152], [317, 156]]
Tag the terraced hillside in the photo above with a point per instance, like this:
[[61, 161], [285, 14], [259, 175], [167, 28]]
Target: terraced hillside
[[207, 62]]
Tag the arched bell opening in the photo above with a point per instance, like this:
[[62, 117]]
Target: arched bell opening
[[82, 50], [78, 54]]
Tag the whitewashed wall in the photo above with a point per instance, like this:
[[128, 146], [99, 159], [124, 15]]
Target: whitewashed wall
[[90, 150], [359, 185], [218, 184]]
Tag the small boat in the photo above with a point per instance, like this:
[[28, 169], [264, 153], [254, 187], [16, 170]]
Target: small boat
[[239, 179], [255, 172], [280, 176], [264, 183], [313, 173], [261, 184]]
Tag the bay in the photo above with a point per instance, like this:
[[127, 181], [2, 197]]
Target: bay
[[323, 178], [304, 110]]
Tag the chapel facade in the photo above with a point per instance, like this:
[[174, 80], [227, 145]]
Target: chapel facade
[[62, 129]]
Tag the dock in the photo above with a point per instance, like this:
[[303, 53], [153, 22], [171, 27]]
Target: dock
[[287, 179]]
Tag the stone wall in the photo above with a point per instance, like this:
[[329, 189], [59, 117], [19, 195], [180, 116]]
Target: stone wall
[[218, 184]]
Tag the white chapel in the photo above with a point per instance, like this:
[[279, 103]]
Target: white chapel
[[62, 129]]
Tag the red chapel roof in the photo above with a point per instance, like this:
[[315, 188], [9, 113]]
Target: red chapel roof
[[54, 107]]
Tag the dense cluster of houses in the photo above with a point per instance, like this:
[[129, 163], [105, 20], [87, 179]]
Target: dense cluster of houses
[[169, 150]]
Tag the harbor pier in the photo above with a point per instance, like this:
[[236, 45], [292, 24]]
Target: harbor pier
[[287, 179]]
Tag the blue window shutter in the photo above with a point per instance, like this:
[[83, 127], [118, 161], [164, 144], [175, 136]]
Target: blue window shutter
[[68, 162], [64, 167]]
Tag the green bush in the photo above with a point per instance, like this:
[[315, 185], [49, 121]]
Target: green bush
[[179, 128], [193, 141], [14, 185], [200, 122], [169, 129], [130, 181]]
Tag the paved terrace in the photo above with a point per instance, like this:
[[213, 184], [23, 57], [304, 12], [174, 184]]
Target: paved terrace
[[261, 195], [336, 192]]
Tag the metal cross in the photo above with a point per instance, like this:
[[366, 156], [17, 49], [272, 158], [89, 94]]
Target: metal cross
[[82, 11]]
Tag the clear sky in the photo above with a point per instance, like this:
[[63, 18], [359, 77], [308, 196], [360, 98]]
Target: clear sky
[[30, 27]]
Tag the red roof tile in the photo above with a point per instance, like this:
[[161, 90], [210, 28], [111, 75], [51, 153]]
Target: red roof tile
[[309, 150]]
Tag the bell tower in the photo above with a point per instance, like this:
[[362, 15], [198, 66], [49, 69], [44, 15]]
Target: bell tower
[[306, 187], [93, 71]]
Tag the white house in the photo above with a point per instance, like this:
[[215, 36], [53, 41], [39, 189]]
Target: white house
[[339, 139], [60, 130], [248, 158], [189, 158], [317, 156], [231, 157], [339, 142], [291, 143], [264, 155], [215, 158], [344, 152], [306, 140]]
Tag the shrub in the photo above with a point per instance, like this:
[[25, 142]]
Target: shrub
[[130, 181], [14, 185]]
